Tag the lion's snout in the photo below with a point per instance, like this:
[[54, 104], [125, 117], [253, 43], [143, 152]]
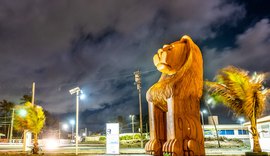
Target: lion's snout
[[160, 61], [160, 57]]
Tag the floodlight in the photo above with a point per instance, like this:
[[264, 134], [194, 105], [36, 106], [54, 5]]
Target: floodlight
[[74, 90]]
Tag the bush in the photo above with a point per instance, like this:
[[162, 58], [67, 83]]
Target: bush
[[236, 140], [102, 138], [137, 136], [126, 137]]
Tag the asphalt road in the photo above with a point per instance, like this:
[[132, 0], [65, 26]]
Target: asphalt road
[[70, 148], [92, 149]]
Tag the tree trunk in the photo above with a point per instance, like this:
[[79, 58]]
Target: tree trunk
[[35, 148], [255, 135]]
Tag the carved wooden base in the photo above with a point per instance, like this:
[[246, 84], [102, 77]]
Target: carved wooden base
[[153, 147], [174, 147]]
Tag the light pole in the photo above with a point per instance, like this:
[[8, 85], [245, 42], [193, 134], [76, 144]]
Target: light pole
[[11, 126], [22, 112], [76, 90], [132, 124], [203, 112], [207, 105], [137, 75]]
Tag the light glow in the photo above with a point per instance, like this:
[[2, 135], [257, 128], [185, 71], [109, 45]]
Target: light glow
[[204, 111], [82, 96], [241, 120], [22, 112], [72, 122], [51, 143], [65, 127]]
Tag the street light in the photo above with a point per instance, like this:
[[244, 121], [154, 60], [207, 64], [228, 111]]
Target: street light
[[208, 102], [65, 126], [132, 124], [76, 90], [82, 95], [241, 122], [203, 112], [22, 112]]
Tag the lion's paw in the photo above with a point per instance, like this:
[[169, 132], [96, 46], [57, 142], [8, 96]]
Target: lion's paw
[[153, 147], [172, 147]]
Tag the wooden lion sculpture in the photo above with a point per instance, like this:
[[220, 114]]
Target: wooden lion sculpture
[[174, 101]]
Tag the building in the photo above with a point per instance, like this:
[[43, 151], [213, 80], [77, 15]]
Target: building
[[263, 126], [238, 131], [227, 130]]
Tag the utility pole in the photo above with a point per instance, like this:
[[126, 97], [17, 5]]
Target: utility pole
[[26, 131], [11, 126], [33, 93], [137, 75]]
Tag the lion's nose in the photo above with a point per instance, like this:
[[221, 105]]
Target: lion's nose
[[160, 52], [166, 45]]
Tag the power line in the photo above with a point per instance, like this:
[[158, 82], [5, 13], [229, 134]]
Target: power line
[[61, 85]]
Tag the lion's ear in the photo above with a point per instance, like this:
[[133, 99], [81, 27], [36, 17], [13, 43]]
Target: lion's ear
[[188, 41], [189, 52]]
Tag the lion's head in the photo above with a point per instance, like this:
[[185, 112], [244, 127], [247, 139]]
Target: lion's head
[[171, 58], [181, 65]]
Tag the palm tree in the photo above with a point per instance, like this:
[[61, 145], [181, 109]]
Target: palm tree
[[243, 93], [26, 98], [33, 119], [5, 109]]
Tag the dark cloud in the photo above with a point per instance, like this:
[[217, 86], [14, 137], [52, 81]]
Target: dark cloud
[[251, 51], [98, 44]]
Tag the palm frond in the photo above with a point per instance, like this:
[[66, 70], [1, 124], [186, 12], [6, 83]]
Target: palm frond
[[240, 92], [223, 94], [236, 79], [34, 120]]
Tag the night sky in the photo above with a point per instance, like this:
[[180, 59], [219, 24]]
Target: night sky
[[98, 44]]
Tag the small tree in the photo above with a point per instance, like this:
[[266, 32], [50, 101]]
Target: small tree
[[26, 98], [30, 117], [243, 93], [5, 109]]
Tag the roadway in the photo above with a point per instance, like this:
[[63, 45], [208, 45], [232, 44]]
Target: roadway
[[70, 148], [97, 149]]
